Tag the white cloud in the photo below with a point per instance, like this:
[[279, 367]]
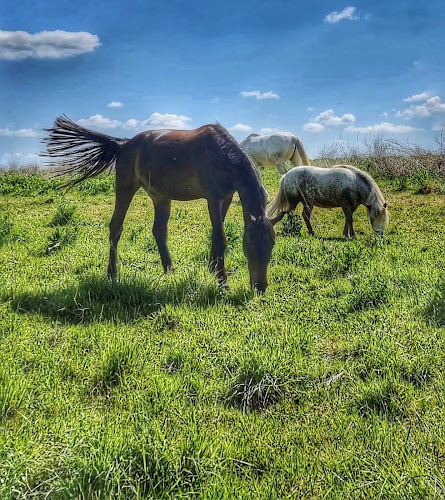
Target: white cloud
[[313, 127], [419, 65], [99, 121], [429, 107], [268, 130], [155, 121], [159, 121], [132, 123], [260, 95], [16, 45], [23, 132], [346, 13], [382, 128], [115, 104], [417, 97], [240, 127], [328, 118], [19, 160]]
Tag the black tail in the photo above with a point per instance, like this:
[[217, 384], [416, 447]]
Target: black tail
[[73, 149]]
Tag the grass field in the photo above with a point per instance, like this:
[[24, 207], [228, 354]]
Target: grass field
[[330, 385]]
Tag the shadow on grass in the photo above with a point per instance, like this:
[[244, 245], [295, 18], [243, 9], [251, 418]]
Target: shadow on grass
[[96, 299]]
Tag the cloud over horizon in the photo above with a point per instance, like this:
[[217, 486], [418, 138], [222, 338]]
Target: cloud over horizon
[[99, 121], [240, 127], [431, 106], [260, 95], [23, 132], [155, 121], [417, 97], [329, 119], [382, 128], [18, 45]]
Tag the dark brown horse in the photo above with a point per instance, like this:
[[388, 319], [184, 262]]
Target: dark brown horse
[[172, 165]]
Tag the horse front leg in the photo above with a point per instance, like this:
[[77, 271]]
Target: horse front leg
[[216, 265], [124, 195], [162, 214], [348, 231]]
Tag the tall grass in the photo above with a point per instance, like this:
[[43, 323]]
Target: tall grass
[[330, 385], [406, 165]]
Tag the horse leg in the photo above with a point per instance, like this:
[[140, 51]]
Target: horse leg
[[162, 214], [348, 231], [213, 255], [307, 210], [124, 195], [218, 239]]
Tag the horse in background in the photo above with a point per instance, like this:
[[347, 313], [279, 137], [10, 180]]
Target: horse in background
[[342, 186], [173, 165], [275, 150]]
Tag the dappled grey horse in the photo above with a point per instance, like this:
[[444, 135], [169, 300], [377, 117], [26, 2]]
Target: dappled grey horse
[[342, 186]]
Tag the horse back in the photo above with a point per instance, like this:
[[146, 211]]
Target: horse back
[[322, 186], [179, 164]]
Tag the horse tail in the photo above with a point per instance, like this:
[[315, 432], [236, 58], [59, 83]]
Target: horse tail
[[280, 203], [300, 151], [73, 149]]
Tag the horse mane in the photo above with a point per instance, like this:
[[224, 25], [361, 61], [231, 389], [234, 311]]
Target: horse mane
[[235, 154], [375, 200]]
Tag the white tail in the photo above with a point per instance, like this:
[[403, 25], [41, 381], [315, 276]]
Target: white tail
[[279, 204]]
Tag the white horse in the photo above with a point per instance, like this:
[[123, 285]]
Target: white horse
[[275, 149], [342, 186]]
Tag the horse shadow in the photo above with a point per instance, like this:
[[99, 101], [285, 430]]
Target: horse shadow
[[94, 299]]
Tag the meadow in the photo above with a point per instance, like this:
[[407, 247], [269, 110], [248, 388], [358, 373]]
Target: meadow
[[330, 385]]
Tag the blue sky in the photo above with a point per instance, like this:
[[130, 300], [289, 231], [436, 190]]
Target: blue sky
[[326, 71]]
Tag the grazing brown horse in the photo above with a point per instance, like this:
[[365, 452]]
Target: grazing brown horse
[[172, 165]]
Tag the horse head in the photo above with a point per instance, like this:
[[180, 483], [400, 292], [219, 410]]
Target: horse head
[[378, 216], [259, 239]]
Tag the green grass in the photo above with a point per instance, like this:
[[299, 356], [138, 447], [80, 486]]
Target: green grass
[[330, 385]]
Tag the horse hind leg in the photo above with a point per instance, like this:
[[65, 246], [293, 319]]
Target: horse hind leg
[[162, 214], [307, 210], [124, 195]]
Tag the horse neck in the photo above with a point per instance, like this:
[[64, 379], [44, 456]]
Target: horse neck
[[368, 192], [253, 197]]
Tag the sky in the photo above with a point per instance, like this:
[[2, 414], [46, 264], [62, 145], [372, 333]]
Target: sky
[[330, 72]]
